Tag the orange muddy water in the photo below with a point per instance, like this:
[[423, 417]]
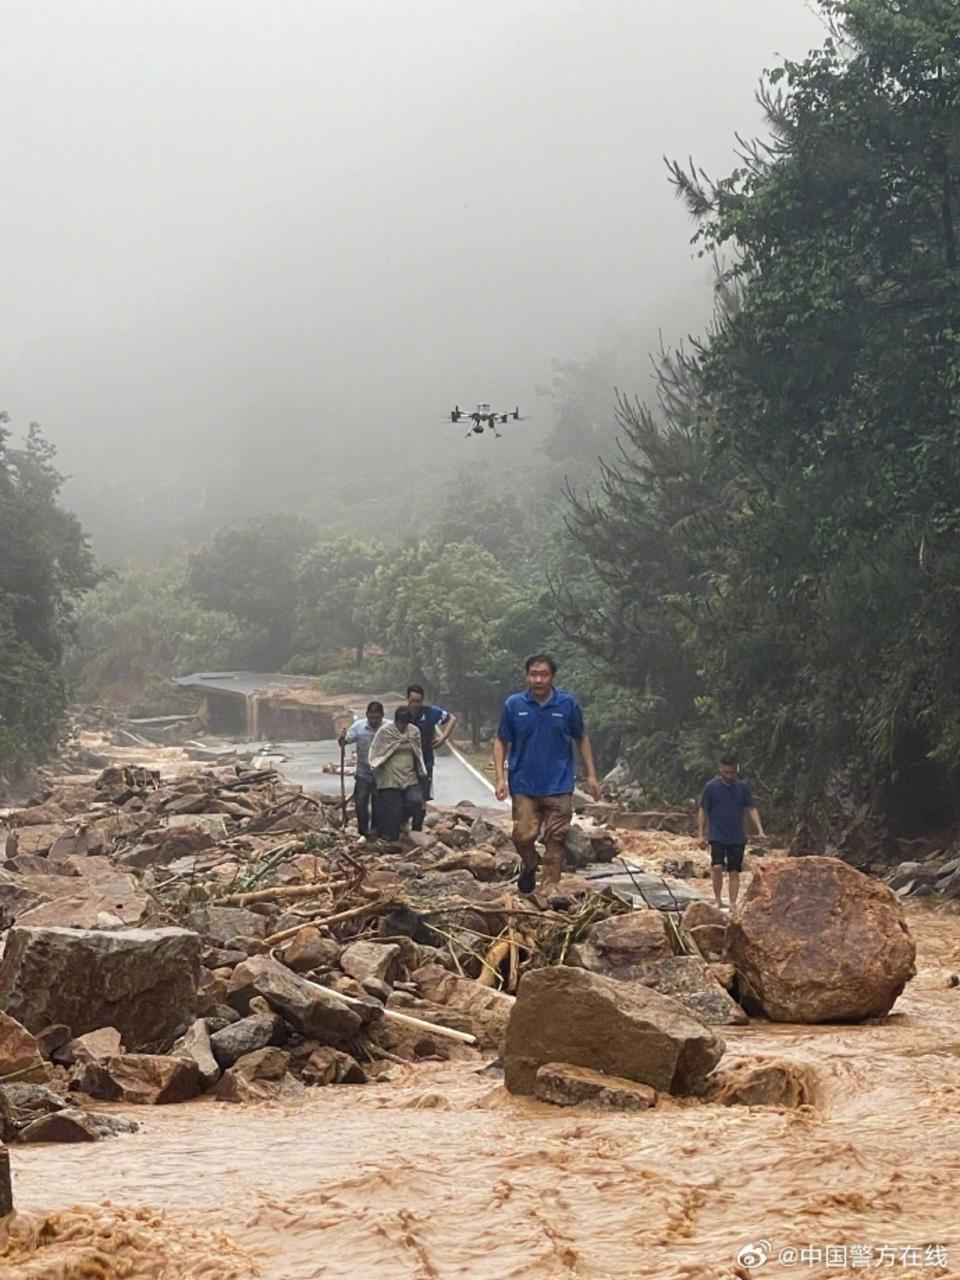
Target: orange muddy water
[[439, 1173]]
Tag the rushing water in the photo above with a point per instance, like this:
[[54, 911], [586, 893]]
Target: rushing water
[[439, 1173]]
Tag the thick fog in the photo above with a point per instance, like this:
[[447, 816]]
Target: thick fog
[[263, 245]]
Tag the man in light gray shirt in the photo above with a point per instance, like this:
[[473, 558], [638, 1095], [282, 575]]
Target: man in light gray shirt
[[361, 734]]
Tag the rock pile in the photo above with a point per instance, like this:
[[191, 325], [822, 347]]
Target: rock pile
[[221, 932]]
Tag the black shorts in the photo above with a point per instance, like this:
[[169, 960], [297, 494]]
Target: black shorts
[[729, 855]]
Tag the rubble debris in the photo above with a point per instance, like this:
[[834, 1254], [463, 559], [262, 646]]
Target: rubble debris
[[274, 952], [815, 940]]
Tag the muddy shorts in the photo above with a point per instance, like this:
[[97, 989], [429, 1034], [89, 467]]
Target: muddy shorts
[[728, 855]]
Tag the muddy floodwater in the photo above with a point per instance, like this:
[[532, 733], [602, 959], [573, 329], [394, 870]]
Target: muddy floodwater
[[438, 1173]]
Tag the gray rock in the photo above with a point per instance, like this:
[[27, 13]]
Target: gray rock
[[566, 1086], [314, 1011], [141, 981], [232, 1043], [196, 1046]]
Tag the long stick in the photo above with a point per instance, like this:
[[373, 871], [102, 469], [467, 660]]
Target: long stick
[[343, 782], [367, 909], [448, 1032]]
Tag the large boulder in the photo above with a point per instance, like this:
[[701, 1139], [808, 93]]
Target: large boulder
[[259, 1077], [141, 981], [817, 941], [587, 1020], [230, 1044]]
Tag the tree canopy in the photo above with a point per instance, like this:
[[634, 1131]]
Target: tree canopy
[[782, 531], [45, 565]]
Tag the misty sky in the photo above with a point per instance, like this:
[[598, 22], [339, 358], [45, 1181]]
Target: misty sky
[[240, 230]]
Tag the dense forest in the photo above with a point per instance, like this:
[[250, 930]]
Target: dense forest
[[766, 560]]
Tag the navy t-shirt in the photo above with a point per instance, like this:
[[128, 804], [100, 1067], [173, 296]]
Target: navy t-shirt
[[426, 720], [725, 804], [541, 742]]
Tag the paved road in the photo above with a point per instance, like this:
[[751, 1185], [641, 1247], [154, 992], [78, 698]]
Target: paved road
[[302, 763]]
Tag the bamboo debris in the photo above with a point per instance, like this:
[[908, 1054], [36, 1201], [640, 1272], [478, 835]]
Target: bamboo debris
[[281, 893]]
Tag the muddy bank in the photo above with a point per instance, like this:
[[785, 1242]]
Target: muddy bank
[[440, 1173]]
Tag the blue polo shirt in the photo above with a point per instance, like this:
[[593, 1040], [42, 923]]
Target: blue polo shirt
[[541, 742], [725, 804]]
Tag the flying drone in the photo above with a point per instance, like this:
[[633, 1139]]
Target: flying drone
[[483, 416]]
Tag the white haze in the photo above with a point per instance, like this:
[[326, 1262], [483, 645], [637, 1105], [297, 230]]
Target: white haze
[[269, 242]]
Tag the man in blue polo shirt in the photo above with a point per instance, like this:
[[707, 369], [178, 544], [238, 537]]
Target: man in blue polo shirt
[[538, 729], [726, 798]]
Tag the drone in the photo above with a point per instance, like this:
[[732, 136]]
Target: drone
[[482, 417]]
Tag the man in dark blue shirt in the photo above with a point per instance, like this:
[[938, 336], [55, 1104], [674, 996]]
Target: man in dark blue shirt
[[538, 729], [726, 798], [428, 720]]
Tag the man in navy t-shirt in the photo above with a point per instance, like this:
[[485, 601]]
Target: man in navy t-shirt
[[538, 729], [428, 720], [726, 798]]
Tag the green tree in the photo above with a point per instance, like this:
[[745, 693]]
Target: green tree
[[813, 587], [333, 604], [139, 628], [449, 616], [45, 565], [251, 571]]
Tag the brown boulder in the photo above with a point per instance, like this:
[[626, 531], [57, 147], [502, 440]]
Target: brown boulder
[[19, 1052], [631, 939], [588, 1020], [258, 1077], [815, 940], [707, 926], [488, 1010], [362, 960], [150, 1079], [565, 1086], [327, 1065], [95, 1046], [759, 1082], [141, 981], [309, 949], [195, 1045]]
